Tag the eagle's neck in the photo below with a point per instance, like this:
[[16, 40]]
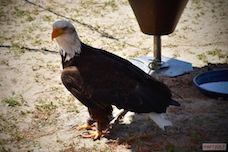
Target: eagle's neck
[[69, 47]]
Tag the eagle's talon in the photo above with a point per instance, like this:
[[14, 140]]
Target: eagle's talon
[[95, 134], [86, 127]]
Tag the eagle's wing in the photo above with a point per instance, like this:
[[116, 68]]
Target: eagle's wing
[[97, 84], [104, 81], [137, 72], [73, 81]]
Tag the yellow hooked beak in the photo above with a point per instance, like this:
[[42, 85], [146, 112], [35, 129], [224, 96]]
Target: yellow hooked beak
[[56, 32]]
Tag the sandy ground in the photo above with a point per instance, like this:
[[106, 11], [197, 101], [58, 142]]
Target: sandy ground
[[39, 114]]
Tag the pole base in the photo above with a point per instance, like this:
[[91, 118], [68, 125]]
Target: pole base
[[169, 67], [156, 65]]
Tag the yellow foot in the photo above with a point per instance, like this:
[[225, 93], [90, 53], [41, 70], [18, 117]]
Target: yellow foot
[[87, 127], [95, 134]]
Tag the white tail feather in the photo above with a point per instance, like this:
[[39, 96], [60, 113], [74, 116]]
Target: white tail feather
[[160, 120]]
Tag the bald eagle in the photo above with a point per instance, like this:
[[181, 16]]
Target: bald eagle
[[99, 79]]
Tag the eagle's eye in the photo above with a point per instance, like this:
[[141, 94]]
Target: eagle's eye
[[64, 28]]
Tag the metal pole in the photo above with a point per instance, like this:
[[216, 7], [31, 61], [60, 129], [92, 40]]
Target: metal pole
[[157, 48], [157, 62]]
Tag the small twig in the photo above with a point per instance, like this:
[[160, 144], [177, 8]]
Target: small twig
[[29, 49]]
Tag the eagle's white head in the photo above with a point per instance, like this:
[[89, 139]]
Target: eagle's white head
[[67, 39]]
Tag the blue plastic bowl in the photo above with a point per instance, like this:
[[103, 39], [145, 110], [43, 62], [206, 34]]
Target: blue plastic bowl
[[213, 83]]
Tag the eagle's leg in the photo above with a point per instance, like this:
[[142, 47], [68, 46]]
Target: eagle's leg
[[102, 117], [96, 134], [87, 126]]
